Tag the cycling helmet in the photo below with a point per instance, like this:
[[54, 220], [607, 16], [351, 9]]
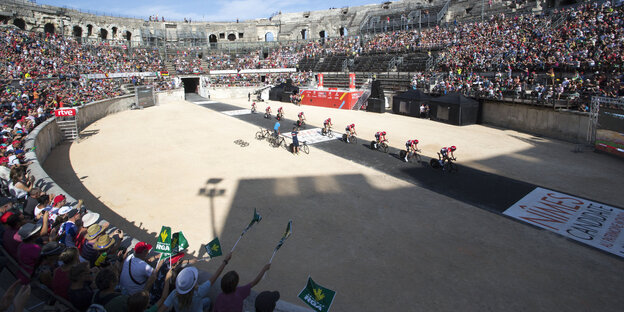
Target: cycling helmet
[[453, 148], [328, 119], [352, 125], [383, 133], [415, 141]]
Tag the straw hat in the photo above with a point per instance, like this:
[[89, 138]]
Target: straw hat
[[94, 230], [103, 242]]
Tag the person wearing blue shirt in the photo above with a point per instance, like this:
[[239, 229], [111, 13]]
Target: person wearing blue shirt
[[276, 129]]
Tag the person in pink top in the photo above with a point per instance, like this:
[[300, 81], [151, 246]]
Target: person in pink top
[[28, 251], [232, 297]]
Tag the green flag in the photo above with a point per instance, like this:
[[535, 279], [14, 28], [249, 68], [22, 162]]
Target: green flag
[[316, 296], [286, 235], [214, 248], [178, 242], [256, 219], [163, 245]]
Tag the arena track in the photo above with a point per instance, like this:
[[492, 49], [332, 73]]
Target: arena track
[[485, 190]]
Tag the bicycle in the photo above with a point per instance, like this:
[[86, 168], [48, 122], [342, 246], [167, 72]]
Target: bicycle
[[411, 156], [382, 146], [277, 141], [303, 146], [447, 166], [300, 123], [263, 134], [329, 133], [352, 138], [279, 116], [267, 115], [253, 109]]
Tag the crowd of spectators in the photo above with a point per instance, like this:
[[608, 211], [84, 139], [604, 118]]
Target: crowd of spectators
[[256, 80]]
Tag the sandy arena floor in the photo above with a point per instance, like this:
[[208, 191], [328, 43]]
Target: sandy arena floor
[[383, 243]]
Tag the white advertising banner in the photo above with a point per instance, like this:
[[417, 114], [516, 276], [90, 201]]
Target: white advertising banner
[[119, 75], [583, 220], [310, 136], [253, 71], [238, 112]]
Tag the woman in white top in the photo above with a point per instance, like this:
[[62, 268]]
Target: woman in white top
[[20, 183]]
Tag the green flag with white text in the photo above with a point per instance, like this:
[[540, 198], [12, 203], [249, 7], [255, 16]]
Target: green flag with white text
[[316, 296], [163, 244], [178, 242], [256, 219], [214, 248]]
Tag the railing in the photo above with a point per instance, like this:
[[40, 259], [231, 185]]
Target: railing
[[442, 12]]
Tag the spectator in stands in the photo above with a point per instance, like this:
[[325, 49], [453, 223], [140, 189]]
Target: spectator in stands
[[106, 295], [69, 230], [80, 291], [18, 301], [49, 263], [28, 251], [266, 301], [11, 222], [32, 202], [231, 300], [136, 271], [188, 295], [87, 250], [60, 280]]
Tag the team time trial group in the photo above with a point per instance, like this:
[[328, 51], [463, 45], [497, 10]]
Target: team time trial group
[[411, 146]]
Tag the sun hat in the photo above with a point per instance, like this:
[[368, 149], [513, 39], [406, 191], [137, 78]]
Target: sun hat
[[266, 300], [186, 280], [90, 218], [72, 212], [63, 210], [28, 230], [94, 230], [52, 248], [103, 242]]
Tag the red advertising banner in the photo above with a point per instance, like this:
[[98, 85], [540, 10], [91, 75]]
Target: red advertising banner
[[330, 98], [65, 112]]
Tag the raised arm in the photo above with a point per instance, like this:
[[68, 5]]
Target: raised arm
[[260, 275], [214, 277]]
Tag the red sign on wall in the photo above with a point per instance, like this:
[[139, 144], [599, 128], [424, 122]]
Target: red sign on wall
[[65, 112]]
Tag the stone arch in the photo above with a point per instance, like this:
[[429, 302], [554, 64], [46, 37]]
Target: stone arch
[[114, 32], [212, 38], [48, 28], [19, 23], [103, 33], [127, 35], [322, 34], [304, 33], [77, 31], [343, 31], [268, 37], [231, 37], [89, 30]]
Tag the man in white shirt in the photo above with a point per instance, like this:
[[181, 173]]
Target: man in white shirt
[[136, 271]]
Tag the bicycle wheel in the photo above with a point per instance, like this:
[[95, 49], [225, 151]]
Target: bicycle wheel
[[305, 148], [452, 167], [281, 142], [330, 134], [384, 147], [259, 135], [353, 139], [417, 157]]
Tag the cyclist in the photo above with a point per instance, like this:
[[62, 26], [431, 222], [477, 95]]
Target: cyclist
[[295, 140], [268, 111], [445, 154], [280, 112], [380, 136], [350, 129], [327, 125], [301, 116], [253, 106], [411, 146]]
